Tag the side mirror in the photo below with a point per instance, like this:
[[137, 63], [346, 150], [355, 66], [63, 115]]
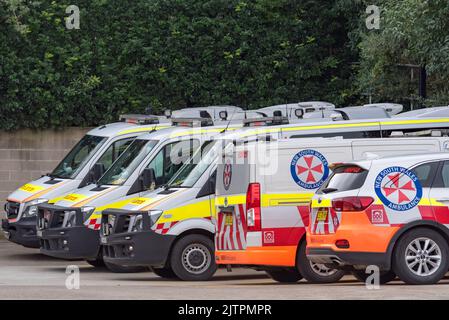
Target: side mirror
[[148, 179], [299, 113], [223, 115], [97, 171], [168, 113]]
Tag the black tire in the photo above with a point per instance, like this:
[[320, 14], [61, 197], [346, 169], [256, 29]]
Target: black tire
[[407, 274], [166, 273], [121, 269], [192, 258], [385, 276], [285, 276], [315, 273], [97, 263]]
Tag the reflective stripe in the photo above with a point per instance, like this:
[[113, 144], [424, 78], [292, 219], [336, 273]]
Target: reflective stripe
[[201, 209], [31, 188], [41, 193], [73, 197], [321, 204], [200, 131], [143, 129], [343, 125], [83, 202], [268, 199]]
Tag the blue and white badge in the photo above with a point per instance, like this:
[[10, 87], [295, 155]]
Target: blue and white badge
[[309, 169], [398, 188]]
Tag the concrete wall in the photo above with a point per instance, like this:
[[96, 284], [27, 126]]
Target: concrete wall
[[27, 154]]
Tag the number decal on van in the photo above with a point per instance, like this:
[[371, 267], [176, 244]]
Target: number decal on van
[[309, 169], [398, 188]]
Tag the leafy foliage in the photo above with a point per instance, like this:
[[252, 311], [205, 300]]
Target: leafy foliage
[[128, 55], [412, 32]]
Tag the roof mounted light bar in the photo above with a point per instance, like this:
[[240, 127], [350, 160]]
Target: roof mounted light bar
[[192, 122], [139, 119], [276, 119]]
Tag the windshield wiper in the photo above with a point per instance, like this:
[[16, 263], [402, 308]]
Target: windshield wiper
[[328, 190]]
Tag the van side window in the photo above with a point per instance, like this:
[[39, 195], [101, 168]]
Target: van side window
[[426, 173], [442, 176], [114, 151], [170, 158], [445, 174]]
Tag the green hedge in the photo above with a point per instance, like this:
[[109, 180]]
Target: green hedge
[[169, 54]]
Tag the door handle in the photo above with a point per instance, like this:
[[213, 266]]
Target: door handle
[[443, 199]]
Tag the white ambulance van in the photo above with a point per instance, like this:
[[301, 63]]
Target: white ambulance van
[[171, 229], [65, 226], [84, 164], [263, 206]]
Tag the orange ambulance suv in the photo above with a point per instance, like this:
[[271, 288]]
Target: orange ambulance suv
[[389, 212]]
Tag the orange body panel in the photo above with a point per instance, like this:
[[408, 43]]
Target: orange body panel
[[269, 256], [362, 235]]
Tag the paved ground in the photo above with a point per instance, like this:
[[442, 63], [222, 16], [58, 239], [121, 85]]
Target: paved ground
[[26, 274]]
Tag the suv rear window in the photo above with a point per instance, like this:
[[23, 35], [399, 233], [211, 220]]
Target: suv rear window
[[344, 178]]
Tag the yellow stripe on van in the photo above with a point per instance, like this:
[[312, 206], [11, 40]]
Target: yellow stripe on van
[[200, 209], [74, 197], [119, 205], [31, 188], [230, 200], [136, 130], [285, 199], [268, 199], [342, 124], [420, 121], [54, 200], [322, 203], [200, 131]]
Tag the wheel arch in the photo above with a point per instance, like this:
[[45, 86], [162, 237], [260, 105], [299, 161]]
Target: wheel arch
[[429, 224], [191, 226]]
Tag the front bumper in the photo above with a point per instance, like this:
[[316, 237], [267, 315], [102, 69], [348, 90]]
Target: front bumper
[[341, 259], [22, 232], [74, 243], [145, 248], [66, 242]]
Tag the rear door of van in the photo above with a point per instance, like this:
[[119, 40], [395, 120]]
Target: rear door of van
[[233, 178]]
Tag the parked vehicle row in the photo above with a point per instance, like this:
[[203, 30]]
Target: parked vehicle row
[[196, 190]]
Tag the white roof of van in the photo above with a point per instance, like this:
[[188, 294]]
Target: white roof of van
[[426, 112], [118, 128]]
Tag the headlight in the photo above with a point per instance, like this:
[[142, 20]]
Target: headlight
[[154, 216], [69, 219], [87, 211], [137, 220], [137, 224], [31, 207]]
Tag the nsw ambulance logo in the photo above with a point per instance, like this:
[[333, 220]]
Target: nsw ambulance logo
[[227, 175], [309, 169], [398, 188]]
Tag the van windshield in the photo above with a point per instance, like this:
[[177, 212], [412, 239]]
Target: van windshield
[[344, 178], [128, 161], [194, 168], [80, 154]]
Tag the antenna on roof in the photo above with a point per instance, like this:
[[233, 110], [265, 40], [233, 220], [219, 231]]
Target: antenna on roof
[[229, 122]]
